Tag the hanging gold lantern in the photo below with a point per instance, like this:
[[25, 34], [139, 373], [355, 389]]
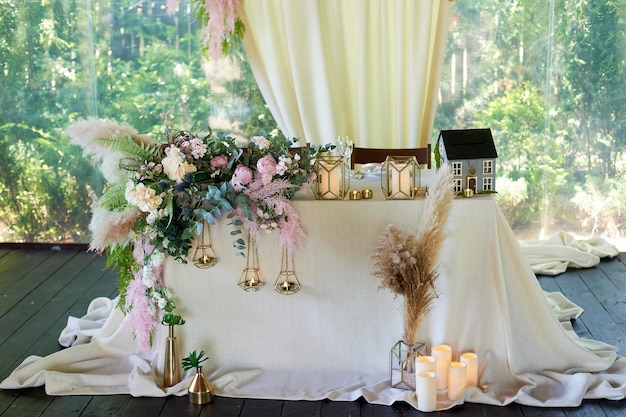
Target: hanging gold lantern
[[287, 282], [251, 278], [204, 256]]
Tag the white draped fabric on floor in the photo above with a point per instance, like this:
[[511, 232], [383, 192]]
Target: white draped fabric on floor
[[332, 339]]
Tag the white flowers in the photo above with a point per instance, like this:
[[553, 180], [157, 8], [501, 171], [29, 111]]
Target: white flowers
[[143, 197], [174, 164]]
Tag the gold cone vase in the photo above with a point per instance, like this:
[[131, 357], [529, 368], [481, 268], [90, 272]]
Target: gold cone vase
[[200, 390], [171, 368]]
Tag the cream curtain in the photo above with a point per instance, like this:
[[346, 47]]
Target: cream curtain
[[368, 69]]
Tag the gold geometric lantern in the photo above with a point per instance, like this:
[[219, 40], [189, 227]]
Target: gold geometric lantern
[[333, 177], [251, 278], [204, 256], [400, 178], [287, 282]]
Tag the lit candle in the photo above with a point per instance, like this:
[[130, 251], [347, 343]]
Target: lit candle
[[400, 180], [456, 379], [286, 286], [425, 364], [470, 360], [330, 184], [426, 390], [443, 355]]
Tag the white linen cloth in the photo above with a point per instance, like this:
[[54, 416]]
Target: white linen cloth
[[332, 339], [560, 251], [366, 69]]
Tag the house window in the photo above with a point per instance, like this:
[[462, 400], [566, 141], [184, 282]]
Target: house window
[[487, 184], [488, 167], [458, 186], [457, 168]]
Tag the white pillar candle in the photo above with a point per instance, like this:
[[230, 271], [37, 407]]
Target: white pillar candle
[[330, 184], [426, 390], [400, 180], [470, 360], [425, 364], [443, 355], [456, 379]]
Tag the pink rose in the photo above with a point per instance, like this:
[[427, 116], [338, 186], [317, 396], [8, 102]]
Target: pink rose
[[266, 165], [242, 174], [219, 161]]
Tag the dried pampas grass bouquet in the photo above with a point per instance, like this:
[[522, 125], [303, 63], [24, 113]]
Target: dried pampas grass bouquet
[[407, 266]]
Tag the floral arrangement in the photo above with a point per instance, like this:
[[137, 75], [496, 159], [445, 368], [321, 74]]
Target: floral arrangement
[[407, 266], [222, 25], [161, 194]]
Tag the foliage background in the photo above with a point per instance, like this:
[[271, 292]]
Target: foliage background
[[547, 77]]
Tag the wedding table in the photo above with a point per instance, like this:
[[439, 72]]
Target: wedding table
[[332, 339]]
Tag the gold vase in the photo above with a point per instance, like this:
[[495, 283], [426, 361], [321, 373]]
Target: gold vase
[[171, 370], [200, 390]]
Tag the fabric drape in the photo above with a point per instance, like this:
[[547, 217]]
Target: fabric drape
[[368, 69]]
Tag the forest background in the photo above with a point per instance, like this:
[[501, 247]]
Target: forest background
[[548, 78]]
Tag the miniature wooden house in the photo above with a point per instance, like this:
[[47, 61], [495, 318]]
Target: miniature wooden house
[[472, 156]]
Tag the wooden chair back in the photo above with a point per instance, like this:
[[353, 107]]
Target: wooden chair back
[[368, 155]]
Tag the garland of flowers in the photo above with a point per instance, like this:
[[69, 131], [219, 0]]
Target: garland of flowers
[[222, 25], [161, 193]]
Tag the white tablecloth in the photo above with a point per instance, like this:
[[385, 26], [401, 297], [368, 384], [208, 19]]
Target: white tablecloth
[[332, 339]]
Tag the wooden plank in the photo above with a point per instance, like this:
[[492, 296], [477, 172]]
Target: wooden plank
[[223, 407], [31, 402], [16, 266], [28, 339], [610, 297], [512, 410], [597, 320], [340, 408], [464, 410], [180, 407], [301, 409], [616, 272], [258, 408], [376, 410], [407, 410], [541, 411], [143, 406], [72, 406], [613, 408], [105, 405], [589, 408]]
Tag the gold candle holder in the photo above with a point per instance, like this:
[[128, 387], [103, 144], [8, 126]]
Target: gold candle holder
[[204, 256], [399, 177], [355, 195], [287, 282], [333, 178], [367, 194], [251, 278]]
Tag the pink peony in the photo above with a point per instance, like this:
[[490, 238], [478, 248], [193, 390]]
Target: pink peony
[[266, 165], [242, 174], [219, 161]]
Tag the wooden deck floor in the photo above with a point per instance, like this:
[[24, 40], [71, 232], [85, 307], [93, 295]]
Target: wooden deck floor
[[40, 288]]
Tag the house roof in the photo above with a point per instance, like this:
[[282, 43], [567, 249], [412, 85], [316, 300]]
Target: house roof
[[468, 144]]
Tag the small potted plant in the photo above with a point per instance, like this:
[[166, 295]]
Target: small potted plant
[[200, 390]]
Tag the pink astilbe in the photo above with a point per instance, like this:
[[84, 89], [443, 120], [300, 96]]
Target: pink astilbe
[[291, 232], [110, 228], [222, 17], [141, 313], [171, 6]]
